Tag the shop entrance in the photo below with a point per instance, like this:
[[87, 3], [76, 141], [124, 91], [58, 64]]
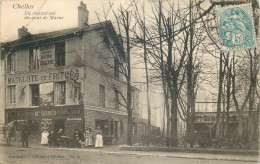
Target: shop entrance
[[59, 124], [116, 130]]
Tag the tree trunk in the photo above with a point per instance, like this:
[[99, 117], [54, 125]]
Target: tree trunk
[[130, 128], [165, 90], [218, 126], [240, 125], [253, 73], [174, 119], [228, 101], [129, 88], [190, 86], [147, 82]]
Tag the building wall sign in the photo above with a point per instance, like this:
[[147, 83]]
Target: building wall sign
[[45, 113], [47, 56], [73, 119], [44, 77]]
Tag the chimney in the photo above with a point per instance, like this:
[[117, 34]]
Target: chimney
[[82, 15], [22, 32]]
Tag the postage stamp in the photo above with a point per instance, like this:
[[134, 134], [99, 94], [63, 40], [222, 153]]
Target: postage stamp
[[236, 27]]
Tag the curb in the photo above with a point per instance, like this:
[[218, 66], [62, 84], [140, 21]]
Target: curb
[[193, 150], [186, 157]]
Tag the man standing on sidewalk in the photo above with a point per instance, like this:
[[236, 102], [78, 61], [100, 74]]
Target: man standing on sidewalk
[[24, 135]]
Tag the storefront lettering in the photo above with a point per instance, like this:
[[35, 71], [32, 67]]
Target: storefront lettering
[[74, 119], [45, 113], [73, 112], [73, 74]]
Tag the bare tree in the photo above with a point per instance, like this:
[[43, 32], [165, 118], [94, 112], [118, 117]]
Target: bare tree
[[125, 25]]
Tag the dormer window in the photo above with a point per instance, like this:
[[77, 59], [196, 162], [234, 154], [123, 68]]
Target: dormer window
[[34, 58], [11, 63]]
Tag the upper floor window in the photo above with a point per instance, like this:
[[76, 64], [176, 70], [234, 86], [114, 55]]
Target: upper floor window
[[102, 96], [42, 94], [60, 54], [35, 94], [116, 99], [116, 69], [11, 63], [60, 93], [77, 94], [34, 58], [11, 94]]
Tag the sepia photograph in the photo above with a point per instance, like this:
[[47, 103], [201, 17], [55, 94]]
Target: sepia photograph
[[129, 81]]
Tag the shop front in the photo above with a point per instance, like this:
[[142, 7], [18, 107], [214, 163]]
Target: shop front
[[52, 118]]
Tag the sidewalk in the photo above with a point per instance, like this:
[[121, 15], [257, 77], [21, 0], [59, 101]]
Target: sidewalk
[[124, 150], [117, 150], [190, 150]]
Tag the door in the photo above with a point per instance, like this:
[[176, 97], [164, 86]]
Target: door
[[116, 130], [59, 124]]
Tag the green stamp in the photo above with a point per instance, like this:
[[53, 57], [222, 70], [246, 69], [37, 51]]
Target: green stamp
[[236, 27]]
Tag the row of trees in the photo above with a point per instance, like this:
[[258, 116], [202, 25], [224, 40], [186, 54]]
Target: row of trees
[[173, 39]]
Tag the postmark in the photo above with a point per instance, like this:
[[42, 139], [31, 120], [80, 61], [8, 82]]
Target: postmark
[[236, 27]]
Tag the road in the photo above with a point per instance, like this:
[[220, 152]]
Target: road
[[19, 155]]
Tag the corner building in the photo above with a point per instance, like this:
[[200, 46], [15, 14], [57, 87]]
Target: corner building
[[62, 80]]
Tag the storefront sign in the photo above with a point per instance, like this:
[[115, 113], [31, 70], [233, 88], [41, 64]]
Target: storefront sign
[[45, 113], [61, 75], [74, 119]]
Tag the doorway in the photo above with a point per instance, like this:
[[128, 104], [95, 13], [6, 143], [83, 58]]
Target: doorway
[[59, 124], [116, 130]]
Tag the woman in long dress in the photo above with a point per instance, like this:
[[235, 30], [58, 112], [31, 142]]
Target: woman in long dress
[[88, 138], [99, 138], [44, 140]]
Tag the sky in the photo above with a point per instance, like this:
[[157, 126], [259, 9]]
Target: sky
[[13, 15]]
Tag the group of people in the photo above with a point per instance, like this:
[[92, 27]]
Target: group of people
[[87, 139]]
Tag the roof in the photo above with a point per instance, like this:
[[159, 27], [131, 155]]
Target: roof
[[38, 39]]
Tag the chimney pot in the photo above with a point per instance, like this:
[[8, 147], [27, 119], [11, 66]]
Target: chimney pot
[[82, 15], [22, 32]]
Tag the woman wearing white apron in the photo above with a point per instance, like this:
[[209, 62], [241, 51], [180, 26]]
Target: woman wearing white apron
[[88, 138], [99, 138], [44, 140]]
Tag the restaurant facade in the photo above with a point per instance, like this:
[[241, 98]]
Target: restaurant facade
[[62, 80]]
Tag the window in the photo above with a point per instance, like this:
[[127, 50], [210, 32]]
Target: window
[[121, 128], [42, 94], [102, 96], [11, 94], [105, 126], [11, 63], [34, 58], [116, 99], [60, 93], [116, 69], [111, 128], [35, 94], [60, 54], [46, 94], [77, 95]]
